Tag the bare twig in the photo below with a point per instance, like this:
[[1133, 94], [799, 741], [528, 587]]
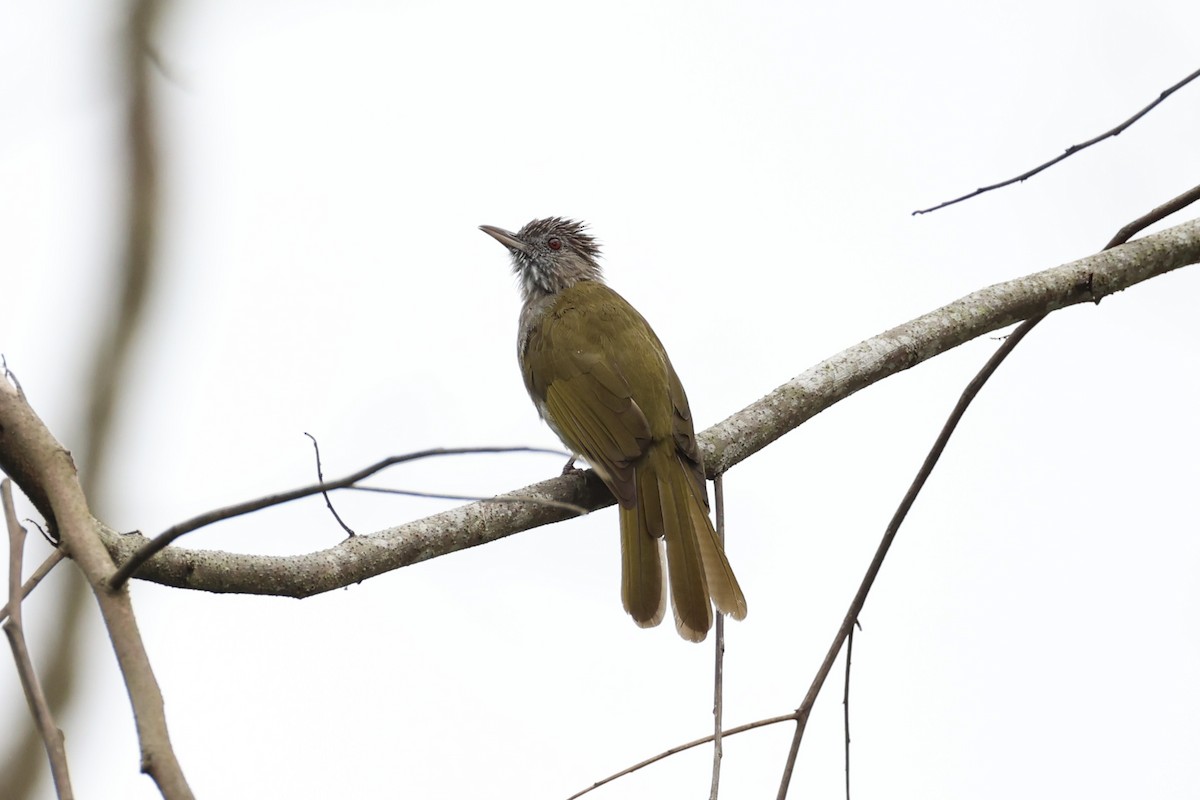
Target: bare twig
[[1070, 151], [1172, 206], [846, 706], [158, 543], [52, 736], [10, 376], [718, 653], [762, 723], [38, 574], [474, 498], [324, 493]]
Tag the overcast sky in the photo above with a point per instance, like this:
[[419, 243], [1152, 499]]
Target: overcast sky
[[750, 169]]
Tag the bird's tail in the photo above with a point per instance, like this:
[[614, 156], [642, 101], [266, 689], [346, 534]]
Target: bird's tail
[[671, 507]]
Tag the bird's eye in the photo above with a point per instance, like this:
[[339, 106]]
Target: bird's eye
[[554, 243]]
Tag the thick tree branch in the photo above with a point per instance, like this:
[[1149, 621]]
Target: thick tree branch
[[1086, 280], [360, 557], [164, 539], [725, 444]]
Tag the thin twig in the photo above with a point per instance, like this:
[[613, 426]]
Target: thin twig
[[52, 736], [10, 376], [860, 597], [1140, 224], [718, 653], [762, 723], [45, 534], [846, 706], [324, 493], [968, 395], [474, 498], [38, 574], [158, 543], [1070, 151]]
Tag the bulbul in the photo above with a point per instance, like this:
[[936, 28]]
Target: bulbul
[[602, 381]]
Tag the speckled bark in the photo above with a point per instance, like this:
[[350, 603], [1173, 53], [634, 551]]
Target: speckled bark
[[724, 445]]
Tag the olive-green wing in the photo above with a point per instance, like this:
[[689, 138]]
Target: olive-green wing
[[576, 364]]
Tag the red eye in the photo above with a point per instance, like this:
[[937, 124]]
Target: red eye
[[554, 243]]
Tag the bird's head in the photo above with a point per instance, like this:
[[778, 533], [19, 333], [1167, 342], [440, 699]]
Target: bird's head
[[549, 255]]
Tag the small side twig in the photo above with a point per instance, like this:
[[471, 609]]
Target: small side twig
[[38, 574], [1070, 151], [325, 493], [718, 653], [474, 498], [846, 705], [762, 723], [164, 539], [1140, 224], [10, 376], [52, 736]]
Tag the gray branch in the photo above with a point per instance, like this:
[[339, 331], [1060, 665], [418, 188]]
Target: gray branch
[[725, 444]]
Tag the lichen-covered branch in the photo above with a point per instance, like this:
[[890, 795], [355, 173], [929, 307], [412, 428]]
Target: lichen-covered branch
[[725, 444]]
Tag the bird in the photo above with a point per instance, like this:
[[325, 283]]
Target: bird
[[601, 379]]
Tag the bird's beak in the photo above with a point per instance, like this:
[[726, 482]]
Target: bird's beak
[[505, 238]]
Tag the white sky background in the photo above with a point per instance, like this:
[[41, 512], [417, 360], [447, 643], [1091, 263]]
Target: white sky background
[[750, 169]]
